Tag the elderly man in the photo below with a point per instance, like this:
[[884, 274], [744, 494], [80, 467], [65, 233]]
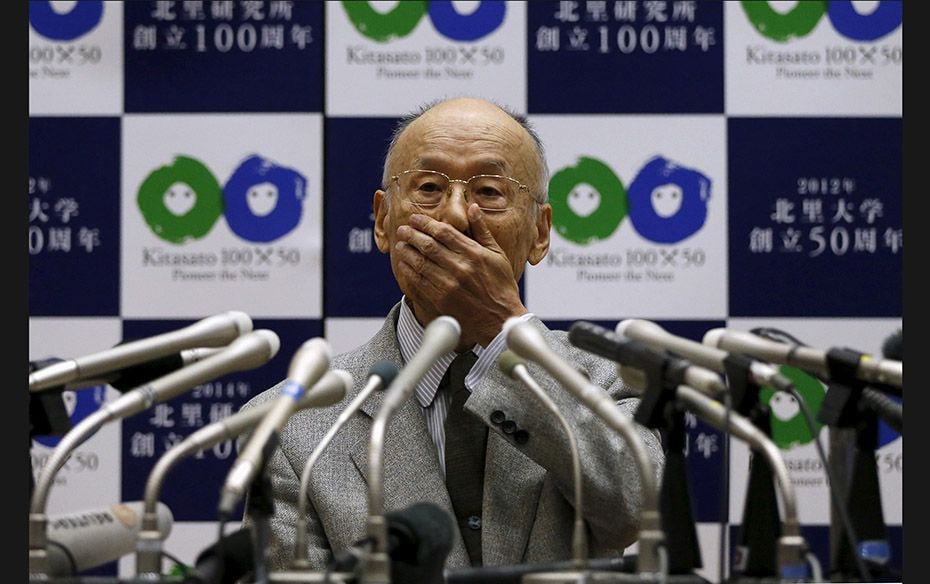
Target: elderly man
[[461, 210]]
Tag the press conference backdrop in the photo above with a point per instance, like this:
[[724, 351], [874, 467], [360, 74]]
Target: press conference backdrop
[[156, 126]]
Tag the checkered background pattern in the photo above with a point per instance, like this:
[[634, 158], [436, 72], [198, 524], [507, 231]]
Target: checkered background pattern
[[713, 164]]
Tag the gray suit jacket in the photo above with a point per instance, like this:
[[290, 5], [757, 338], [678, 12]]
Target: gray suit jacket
[[528, 492]]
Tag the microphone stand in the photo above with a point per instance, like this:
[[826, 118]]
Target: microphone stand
[[658, 410], [761, 526], [261, 502], [843, 408]]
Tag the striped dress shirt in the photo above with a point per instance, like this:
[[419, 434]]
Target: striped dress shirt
[[435, 407]]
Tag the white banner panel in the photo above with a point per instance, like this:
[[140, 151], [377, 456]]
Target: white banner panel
[[639, 218], [222, 212], [809, 58], [386, 58], [792, 434], [91, 477], [75, 58]]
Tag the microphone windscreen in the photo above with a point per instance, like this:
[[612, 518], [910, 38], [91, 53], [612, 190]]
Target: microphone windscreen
[[386, 370], [136, 375], [227, 561], [893, 347], [421, 538]]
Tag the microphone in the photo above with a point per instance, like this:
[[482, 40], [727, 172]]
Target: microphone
[[701, 355], [869, 369], [214, 331], [637, 355], [515, 368], [226, 561], [89, 538], [419, 537], [380, 375], [440, 337], [246, 352], [792, 549], [526, 340], [327, 391], [307, 365], [893, 346], [136, 375]]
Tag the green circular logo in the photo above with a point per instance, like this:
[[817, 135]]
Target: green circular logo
[[789, 427], [588, 201], [181, 201], [399, 22], [797, 22]]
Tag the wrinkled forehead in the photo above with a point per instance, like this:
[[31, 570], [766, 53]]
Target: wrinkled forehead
[[471, 140]]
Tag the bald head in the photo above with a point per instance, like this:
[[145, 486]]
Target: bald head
[[462, 124]]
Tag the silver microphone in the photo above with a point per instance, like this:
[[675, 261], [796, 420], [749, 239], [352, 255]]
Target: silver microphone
[[515, 368], [307, 365], [792, 549], [246, 352], [381, 375], [85, 539], [869, 369], [525, 340], [327, 391], [702, 355], [214, 331], [440, 337]]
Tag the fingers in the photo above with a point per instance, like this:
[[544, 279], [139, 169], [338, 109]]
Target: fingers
[[479, 228], [423, 273], [446, 234]]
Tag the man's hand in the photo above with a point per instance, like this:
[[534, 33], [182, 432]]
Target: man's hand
[[468, 278]]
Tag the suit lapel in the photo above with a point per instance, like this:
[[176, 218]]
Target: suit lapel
[[411, 471]]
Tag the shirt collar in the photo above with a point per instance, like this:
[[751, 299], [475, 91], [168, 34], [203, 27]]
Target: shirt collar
[[410, 337]]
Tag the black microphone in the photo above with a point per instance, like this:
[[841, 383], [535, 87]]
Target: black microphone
[[226, 561], [419, 540], [133, 376], [893, 346]]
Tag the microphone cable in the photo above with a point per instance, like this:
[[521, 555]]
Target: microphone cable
[[219, 546], [725, 494], [774, 334]]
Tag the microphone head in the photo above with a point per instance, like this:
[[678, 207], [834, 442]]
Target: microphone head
[[713, 336], [386, 370], [241, 320], [330, 389], [635, 327], [309, 362], [271, 338], [90, 538], [446, 330], [893, 347], [525, 340], [508, 362], [237, 559], [421, 538]]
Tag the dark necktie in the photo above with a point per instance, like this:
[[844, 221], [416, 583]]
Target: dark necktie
[[466, 437]]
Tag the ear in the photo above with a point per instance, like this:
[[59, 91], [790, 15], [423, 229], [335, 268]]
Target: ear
[[382, 220], [540, 245]]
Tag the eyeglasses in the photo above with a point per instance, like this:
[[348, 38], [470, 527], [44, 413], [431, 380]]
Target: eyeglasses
[[426, 189]]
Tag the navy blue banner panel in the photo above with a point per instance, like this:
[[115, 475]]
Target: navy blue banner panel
[[223, 56], [74, 216], [358, 277], [819, 199], [625, 57]]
